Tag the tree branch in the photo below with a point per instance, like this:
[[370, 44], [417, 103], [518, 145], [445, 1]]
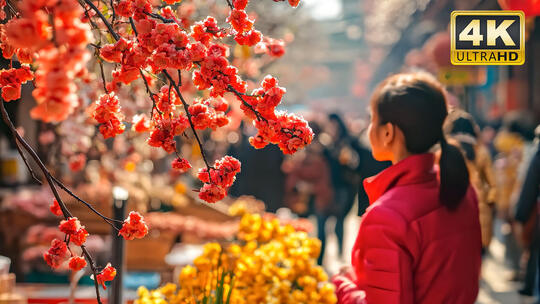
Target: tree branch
[[245, 103], [102, 75], [21, 153], [186, 109], [158, 16], [105, 21], [48, 176], [94, 271], [66, 189]]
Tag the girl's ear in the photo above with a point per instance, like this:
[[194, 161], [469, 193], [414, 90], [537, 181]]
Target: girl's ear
[[389, 133]]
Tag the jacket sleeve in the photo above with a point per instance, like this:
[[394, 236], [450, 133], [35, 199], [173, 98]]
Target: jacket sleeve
[[530, 190], [384, 261]]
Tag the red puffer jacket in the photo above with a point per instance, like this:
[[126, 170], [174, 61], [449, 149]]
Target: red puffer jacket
[[410, 248]]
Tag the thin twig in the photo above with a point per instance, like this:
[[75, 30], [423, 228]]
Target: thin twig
[[53, 28], [94, 270], [152, 95], [36, 158], [105, 21], [66, 189], [186, 108], [113, 12], [103, 75], [158, 16], [21, 153], [133, 26], [241, 97]]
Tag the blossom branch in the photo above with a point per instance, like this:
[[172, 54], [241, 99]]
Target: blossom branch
[[94, 271], [158, 16], [66, 189], [152, 94], [48, 176], [244, 102], [186, 108]]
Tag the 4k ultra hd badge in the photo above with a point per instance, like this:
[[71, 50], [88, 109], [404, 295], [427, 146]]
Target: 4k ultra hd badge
[[487, 37]]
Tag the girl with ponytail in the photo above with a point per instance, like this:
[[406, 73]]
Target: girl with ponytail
[[419, 242]]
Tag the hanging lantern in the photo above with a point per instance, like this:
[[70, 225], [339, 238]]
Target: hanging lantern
[[531, 8], [437, 48]]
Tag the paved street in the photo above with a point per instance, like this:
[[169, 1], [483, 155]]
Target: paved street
[[495, 288]]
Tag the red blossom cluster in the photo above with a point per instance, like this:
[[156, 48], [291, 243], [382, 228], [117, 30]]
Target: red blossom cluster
[[77, 263], [59, 251], [2, 13], [73, 229], [205, 31], [11, 81], [275, 47], [133, 227], [55, 208], [23, 55], [165, 130], [290, 132], [239, 20], [209, 113], [217, 183], [293, 3], [181, 165], [167, 100], [77, 162], [216, 74], [250, 38], [107, 274], [140, 123], [107, 113], [166, 46], [55, 33]]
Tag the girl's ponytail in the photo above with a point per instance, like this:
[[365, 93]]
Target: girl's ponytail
[[454, 175]]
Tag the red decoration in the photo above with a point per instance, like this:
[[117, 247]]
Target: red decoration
[[77, 263], [531, 8], [133, 227]]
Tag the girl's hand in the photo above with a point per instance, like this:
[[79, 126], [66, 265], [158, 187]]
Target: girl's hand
[[347, 291]]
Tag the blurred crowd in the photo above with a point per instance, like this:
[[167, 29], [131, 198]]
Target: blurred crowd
[[325, 180]]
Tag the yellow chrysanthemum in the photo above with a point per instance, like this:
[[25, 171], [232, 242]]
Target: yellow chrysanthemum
[[271, 263]]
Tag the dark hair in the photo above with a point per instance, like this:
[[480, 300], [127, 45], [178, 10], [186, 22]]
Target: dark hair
[[343, 131], [416, 104], [315, 127], [461, 126], [465, 125]]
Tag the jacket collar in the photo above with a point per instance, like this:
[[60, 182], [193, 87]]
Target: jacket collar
[[415, 169]]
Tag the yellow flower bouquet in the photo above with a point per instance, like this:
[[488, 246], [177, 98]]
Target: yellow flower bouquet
[[269, 263]]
